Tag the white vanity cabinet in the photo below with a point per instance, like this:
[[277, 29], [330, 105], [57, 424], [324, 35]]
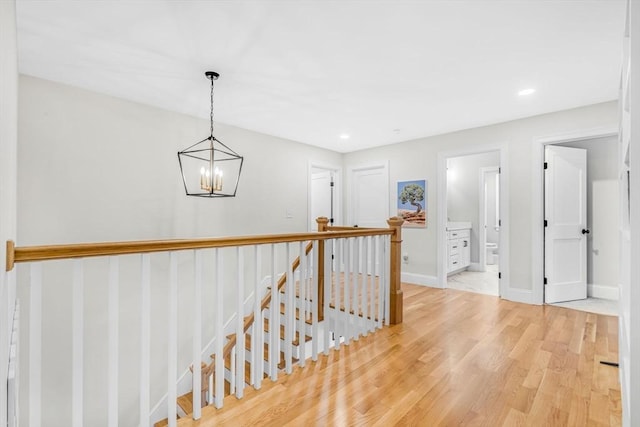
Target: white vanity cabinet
[[458, 249]]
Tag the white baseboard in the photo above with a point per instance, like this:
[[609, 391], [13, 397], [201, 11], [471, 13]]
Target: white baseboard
[[474, 266], [603, 291], [520, 295], [419, 279]]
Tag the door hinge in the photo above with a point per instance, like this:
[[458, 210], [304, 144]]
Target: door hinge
[[546, 165], [546, 224], [331, 221], [331, 184], [499, 223], [499, 170], [499, 275], [545, 280], [332, 256]]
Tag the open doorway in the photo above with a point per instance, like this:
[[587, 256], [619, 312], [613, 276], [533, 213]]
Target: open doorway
[[473, 223], [324, 194], [588, 274]]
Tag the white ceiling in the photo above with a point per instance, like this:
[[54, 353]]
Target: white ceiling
[[381, 71]]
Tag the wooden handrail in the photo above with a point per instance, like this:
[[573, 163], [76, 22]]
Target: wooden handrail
[[82, 250]]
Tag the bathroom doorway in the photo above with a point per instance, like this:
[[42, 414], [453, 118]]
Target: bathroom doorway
[[473, 224]]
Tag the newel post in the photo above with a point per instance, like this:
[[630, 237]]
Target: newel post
[[322, 227], [395, 294]]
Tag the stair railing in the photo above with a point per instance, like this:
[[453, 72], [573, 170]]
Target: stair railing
[[355, 292]]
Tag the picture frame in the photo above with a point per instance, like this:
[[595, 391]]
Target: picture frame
[[412, 203]]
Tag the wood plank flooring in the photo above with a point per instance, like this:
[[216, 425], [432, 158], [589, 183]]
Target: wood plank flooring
[[458, 359]]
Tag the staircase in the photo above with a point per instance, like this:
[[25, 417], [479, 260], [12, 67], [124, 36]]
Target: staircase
[[314, 306], [302, 311], [347, 315]]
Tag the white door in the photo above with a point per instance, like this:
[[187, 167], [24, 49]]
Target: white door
[[565, 202], [369, 198], [321, 197]]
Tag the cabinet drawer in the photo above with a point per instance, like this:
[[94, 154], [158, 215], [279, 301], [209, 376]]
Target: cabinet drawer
[[457, 234], [454, 262], [454, 247]]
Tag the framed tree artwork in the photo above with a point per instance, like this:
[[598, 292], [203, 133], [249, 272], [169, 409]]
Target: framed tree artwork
[[412, 203]]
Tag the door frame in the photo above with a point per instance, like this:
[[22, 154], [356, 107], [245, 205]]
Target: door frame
[[537, 198], [337, 189], [441, 241], [482, 232], [349, 188]]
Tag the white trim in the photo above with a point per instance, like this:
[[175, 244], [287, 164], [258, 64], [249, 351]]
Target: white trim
[[520, 295], [337, 189], [419, 279], [442, 263], [475, 266], [537, 205], [603, 292]]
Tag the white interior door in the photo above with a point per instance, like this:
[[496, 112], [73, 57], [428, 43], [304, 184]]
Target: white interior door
[[369, 199], [321, 197], [566, 224]]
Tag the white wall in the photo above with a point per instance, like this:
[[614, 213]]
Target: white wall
[[98, 168], [463, 192], [418, 158], [8, 142], [602, 214]]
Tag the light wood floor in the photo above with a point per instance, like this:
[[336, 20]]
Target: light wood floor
[[458, 359]]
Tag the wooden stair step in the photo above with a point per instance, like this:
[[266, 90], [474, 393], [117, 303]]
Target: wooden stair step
[[296, 337], [282, 290], [307, 320], [185, 402], [351, 311]]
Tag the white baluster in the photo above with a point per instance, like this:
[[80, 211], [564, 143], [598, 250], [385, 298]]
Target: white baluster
[[232, 371], [219, 341], [289, 312], [381, 278], [335, 290], [314, 305], [145, 336], [372, 286], [197, 337], [77, 358], [356, 292], [240, 339], [113, 319], [339, 328], [327, 295], [257, 334], [274, 321], [302, 304], [365, 283], [172, 340], [35, 346], [347, 290], [387, 281]]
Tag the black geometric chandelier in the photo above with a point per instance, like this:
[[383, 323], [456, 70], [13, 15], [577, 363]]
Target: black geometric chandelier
[[209, 168]]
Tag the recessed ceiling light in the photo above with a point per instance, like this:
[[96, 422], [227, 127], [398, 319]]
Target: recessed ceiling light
[[344, 136], [525, 92]]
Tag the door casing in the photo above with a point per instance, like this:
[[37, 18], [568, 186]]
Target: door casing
[[537, 200], [504, 287]]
